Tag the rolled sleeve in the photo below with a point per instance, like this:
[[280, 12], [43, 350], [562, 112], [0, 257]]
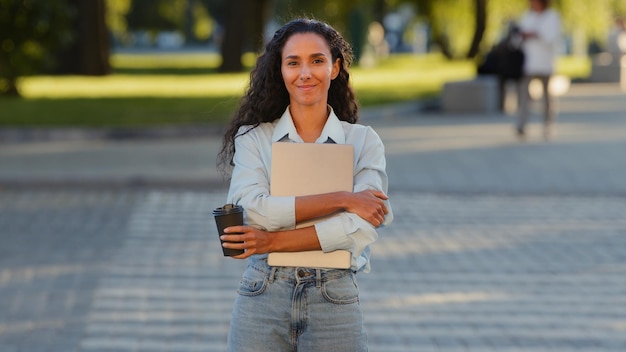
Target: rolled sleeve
[[332, 234], [348, 232], [250, 186], [268, 213]]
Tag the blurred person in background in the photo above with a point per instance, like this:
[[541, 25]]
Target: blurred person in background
[[540, 28]]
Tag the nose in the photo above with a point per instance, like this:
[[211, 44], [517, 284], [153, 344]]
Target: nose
[[305, 72]]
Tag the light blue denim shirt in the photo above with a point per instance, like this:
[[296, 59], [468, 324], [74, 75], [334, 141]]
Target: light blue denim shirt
[[250, 183]]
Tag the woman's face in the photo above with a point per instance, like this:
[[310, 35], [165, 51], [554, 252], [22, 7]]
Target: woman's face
[[308, 68]]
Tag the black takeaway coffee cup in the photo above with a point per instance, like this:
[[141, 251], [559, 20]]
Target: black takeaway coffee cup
[[226, 216]]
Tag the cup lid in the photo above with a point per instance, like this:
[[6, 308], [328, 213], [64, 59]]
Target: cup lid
[[228, 209]]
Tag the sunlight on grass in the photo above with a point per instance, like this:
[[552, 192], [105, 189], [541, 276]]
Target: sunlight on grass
[[573, 66], [210, 61], [201, 60], [213, 85], [407, 77], [398, 78]]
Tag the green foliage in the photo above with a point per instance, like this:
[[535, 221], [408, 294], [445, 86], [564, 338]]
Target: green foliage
[[203, 24], [349, 17], [453, 19], [586, 16], [499, 13], [619, 8], [116, 18], [193, 18], [591, 19], [30, 33], [156, 15]]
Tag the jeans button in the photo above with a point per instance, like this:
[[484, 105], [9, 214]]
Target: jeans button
[[301, 273]]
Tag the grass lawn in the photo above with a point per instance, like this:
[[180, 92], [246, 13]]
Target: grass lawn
[[150, 90]]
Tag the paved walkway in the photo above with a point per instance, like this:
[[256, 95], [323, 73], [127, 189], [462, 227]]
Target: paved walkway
[[498, 245]]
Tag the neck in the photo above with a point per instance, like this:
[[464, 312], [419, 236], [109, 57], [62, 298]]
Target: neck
[[309, 121]]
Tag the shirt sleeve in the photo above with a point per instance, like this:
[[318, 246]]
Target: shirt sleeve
[[348, 231], [250, 186]]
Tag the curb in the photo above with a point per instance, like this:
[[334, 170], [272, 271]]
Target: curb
[[52, 134]]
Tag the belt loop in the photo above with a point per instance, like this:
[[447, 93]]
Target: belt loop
[[272, 274], [318, 278]]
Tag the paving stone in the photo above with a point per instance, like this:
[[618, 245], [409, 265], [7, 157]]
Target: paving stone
[[453, 273]]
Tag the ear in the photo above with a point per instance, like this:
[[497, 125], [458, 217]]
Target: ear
[[336, 68]]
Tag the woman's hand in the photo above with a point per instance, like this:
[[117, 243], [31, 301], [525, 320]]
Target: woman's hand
[[253, 240], [369, 205]]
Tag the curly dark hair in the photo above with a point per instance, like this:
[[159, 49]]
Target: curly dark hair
[[267, 98]]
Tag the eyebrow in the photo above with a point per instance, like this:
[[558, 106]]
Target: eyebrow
[[289, 57]]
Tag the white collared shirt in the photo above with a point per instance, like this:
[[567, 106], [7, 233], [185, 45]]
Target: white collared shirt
[[250, 183]]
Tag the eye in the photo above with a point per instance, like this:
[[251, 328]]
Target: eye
[[318, 61], [292, 63]]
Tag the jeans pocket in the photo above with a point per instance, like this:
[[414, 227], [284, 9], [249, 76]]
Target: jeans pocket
[[253, 283], [343, 290]]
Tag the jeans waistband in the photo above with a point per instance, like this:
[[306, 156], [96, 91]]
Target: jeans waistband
[[299, 274]]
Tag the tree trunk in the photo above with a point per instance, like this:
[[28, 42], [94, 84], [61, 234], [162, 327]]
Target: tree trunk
[[479, 31], [258, 18], [379, 10], [244, 20], [234, 33], [89, 55], [11, 88], [189, 23], [442, 41]]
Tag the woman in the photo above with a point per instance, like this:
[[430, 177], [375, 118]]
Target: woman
[[299, 92], [540, 29]]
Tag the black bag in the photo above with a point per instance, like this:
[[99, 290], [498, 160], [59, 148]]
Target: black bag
[[511, 62], [490, 65], [505, 59]]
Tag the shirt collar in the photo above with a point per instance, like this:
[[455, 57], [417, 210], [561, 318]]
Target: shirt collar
[[332, 131]]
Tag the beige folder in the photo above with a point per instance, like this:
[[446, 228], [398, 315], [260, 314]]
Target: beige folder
[[300, 169]]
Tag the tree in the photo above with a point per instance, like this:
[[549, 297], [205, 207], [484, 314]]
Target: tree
[[452, 28], [31, 32], [244, 24], [89, 53], [480, 16]]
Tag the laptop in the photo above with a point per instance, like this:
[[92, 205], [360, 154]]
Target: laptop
[[300, 169]]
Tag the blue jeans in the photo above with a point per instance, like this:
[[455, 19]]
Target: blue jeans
[[297, 309]]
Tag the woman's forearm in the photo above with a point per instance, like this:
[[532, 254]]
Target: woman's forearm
[[315, 206], [368, 204], [304, 239]]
